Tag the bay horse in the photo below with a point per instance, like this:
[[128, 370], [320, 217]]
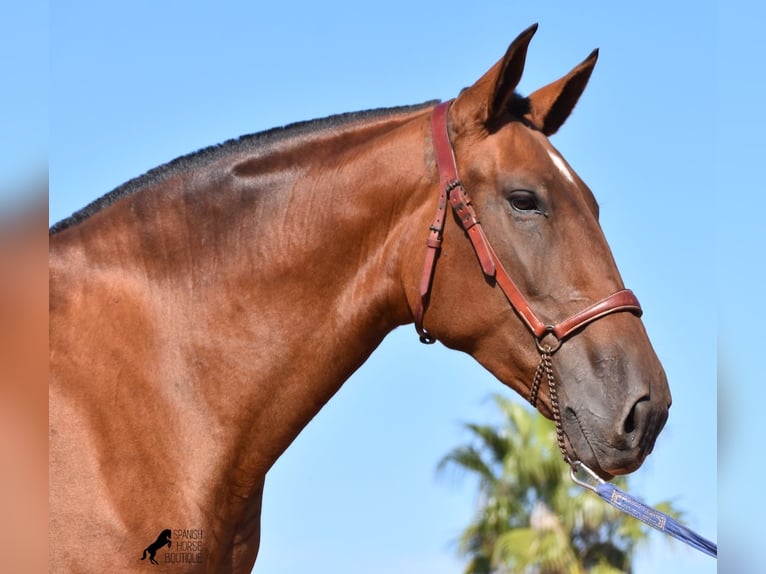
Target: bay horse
[[215, 304]]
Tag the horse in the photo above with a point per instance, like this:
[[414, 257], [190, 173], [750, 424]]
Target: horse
[[239, 286], [164, 539]]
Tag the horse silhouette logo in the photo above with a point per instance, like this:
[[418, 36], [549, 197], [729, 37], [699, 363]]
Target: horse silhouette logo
[[162, 540]]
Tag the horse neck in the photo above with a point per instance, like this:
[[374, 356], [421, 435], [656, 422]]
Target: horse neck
[[331, 254], [267, 278]]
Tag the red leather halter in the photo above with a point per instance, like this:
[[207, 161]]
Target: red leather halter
[[451, 190]]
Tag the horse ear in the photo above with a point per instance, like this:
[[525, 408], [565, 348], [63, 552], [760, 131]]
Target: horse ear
[[486, 102], [509, 73], [550, 106]]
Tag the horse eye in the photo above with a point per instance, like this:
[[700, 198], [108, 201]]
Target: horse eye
[[523, 201]]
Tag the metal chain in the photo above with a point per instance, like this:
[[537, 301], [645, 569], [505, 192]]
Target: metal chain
[[536, 381], [545, 366]]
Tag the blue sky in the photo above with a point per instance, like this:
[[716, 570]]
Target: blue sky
[[136, 84], [24, 99]]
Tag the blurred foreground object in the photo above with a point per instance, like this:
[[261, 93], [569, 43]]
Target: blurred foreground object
[[23, 377]]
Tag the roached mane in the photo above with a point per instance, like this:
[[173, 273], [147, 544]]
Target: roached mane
[[245, 143]]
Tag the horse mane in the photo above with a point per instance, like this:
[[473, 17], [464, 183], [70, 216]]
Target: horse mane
[[246, 143]]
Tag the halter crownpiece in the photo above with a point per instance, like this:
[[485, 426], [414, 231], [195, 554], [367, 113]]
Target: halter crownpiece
[[451, 190]]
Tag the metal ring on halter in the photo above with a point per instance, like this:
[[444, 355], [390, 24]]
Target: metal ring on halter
[[544, 348]]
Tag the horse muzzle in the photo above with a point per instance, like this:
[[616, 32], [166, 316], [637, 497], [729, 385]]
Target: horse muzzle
[[613, 445]]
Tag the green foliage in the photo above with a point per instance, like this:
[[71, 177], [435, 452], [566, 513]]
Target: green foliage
[[531, 518]]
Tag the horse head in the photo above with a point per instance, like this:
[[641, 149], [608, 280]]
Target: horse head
[[543, 224]]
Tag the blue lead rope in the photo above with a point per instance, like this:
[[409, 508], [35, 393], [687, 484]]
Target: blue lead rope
[[646, 514]]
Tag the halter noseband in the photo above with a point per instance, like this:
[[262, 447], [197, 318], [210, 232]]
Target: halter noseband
[[451, 190]]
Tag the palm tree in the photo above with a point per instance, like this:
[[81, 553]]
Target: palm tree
[[531, 518]]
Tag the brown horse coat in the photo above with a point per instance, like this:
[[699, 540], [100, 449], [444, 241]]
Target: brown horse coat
[[214, 305]]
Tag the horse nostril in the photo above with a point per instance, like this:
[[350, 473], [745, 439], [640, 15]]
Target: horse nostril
[[629, 426]]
